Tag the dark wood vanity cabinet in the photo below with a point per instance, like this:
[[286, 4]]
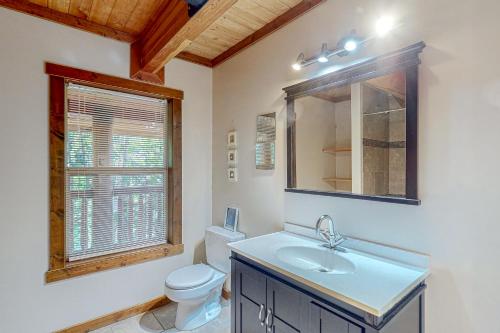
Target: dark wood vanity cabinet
[[263, 304], [263, 300], [321, 320]]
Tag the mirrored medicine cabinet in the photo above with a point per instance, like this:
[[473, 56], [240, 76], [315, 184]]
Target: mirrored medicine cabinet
[[353, 132]]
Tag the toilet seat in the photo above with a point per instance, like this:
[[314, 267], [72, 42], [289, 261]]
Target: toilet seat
[[189, 277]]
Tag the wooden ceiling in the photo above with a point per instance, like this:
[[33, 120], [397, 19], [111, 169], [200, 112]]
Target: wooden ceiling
[[128, 16], [159, 30], [244, 18]]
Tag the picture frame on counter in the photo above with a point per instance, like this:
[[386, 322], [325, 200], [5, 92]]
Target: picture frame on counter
[[231, 218]]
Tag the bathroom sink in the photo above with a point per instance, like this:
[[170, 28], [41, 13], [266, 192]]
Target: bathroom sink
[[315, 259]]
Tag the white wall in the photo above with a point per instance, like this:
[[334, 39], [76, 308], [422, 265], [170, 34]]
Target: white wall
[[458, 223], [27, 304]]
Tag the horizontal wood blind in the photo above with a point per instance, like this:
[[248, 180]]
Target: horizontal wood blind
[[116, 171]]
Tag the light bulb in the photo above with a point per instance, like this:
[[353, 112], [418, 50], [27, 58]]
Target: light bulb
[[298, 63], [350, 45], [323, 55], [322, 58], [384, 25]]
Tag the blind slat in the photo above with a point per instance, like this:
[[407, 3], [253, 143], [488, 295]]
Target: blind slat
[[116, 172]]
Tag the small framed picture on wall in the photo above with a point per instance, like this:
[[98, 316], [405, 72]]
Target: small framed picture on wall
[[231, 219], [232, 157], [232, 174], [232, 139]]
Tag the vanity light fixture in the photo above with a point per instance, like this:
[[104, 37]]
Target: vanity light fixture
[[350, 45], [298, 64], [347, 44], [323, 56]]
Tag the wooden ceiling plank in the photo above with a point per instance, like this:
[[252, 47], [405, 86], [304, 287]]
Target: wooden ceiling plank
[[153, 22], [140, 16], [121, 13], [151, 13], [168, 46], [276, 7], [220, 30], [253, 8], [245, 19], [203, 50], [215, 43], [59, 5], [269, 28], [101, 9], [289, 3], [234, 26], [67, 19], [224, 38], [80, 8]]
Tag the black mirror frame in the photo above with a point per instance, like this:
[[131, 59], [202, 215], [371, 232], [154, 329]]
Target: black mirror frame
[[406, 59]]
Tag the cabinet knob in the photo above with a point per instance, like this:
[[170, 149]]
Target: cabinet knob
[[261, 314], [269, 320]]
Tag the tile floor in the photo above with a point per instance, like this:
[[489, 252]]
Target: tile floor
[[161, 320]]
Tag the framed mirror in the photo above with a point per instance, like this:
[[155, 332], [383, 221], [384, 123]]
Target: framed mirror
[[353, 133]]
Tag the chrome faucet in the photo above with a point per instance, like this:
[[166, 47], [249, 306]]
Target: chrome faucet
[[332, 237]]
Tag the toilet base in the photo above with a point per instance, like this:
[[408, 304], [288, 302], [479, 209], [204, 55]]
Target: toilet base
[[195, 313]]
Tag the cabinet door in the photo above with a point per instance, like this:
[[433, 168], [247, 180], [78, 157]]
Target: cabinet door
[[322, 320], [248, 317], [287, 306], [281, 327], [252, 284], [249, 300]]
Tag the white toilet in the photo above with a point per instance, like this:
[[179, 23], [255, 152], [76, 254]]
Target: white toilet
[[197, 288]]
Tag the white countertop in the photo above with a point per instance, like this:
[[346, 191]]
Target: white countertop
[[375, 286]]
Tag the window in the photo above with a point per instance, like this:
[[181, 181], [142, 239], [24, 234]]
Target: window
[[115, 171], [120, 200]]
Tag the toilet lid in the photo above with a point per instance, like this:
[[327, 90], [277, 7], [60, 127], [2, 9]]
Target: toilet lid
[[189, 276]]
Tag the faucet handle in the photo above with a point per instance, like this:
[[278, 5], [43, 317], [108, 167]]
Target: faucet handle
[[324, 234]]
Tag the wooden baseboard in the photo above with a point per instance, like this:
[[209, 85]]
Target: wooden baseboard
[[116, 316], [124, 314], [226, 294]]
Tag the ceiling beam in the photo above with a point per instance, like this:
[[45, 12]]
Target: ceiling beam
[[67, 19], [194, 58], [172, 32], [269, 28]]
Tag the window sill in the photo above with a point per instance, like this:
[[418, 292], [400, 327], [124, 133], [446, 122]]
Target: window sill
[[111, 261]]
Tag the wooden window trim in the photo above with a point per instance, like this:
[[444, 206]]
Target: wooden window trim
[[59, 268]]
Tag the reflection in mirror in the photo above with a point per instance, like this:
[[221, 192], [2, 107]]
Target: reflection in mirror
[[384, 135], [352, 138], [265, 145]]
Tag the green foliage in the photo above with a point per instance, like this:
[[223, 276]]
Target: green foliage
[[126, 151]]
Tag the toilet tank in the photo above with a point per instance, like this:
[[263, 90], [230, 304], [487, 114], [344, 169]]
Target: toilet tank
[[216, 239]]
